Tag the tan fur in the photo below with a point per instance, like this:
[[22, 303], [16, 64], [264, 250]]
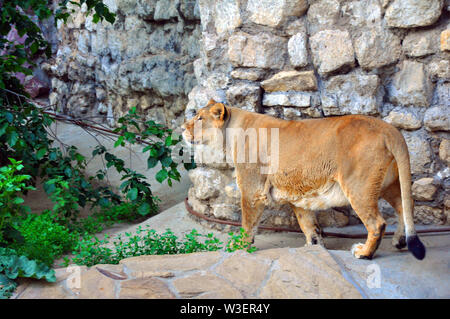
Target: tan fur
[[323, 163]]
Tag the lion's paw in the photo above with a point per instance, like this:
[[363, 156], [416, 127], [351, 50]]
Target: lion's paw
[[399, 241], [357, 251], [315, 241]]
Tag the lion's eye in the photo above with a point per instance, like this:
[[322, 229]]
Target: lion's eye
[[199, 118]]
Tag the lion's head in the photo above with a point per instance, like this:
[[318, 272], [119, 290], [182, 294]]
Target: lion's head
[[206, 127]]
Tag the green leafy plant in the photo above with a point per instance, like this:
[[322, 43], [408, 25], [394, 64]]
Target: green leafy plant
[[13, 266], [239, 242], [160, 141], [193, 244], [23, 126], [44, 238], [66, 204], [134, 187], [106, 216], [66, 172], [11, 184], [91, 250], [24, 135]]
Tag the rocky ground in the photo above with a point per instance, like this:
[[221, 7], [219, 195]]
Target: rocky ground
[[274, 273], [281, 268]]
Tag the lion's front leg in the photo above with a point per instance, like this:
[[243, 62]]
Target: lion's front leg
[[309, 226], [251, 214]]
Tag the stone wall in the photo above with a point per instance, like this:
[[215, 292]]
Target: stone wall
[[297, 59], [144, 59], [292, 59]]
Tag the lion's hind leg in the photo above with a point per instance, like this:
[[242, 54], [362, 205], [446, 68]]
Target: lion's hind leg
[[375, 225], [363, 195]]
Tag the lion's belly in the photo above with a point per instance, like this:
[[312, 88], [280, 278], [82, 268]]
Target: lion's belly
[[327, 196]]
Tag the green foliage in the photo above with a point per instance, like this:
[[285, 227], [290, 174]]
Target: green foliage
[[69, 189], [13, 266], [134, 187], [44, 238], [107, 216], [66, 204], [159, 142], [7, 287], [11, 183], [66, 173], [24, 135], [91, 251], [159, 149], [23, 126], [239, 242]]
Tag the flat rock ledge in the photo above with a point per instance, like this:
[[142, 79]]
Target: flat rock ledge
[[307, 272]]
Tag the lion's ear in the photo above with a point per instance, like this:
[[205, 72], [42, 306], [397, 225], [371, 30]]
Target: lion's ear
[[219, 111], [211, 102]]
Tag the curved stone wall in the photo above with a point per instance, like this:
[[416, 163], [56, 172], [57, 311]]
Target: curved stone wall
[[144, 59]]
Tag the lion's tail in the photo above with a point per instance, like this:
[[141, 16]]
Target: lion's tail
[[399, 150]]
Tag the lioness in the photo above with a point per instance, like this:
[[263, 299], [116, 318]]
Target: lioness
[[323, 163]]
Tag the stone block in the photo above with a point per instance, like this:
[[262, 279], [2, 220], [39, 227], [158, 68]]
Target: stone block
[[413, 13], [262, 51], [331, 50]]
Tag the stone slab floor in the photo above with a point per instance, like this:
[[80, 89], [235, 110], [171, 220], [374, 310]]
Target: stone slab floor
[[282, 268]]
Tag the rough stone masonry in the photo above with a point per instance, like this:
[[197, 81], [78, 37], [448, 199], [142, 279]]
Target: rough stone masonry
[[291, 59]]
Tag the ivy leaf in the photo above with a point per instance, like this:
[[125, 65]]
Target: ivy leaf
[[166, 161], [154, 152], [18, 200], [169, 140], [189, 166], [132, 194], [95, 18], [68, 172], [53, 156], [104, 202], [151, 162], [119, 141], [161, 175], [174, 174], [49, 188], [3, 129], [9, 117], [144, 209], [12, 138], [41, 152], [34, 47], [110, 17]]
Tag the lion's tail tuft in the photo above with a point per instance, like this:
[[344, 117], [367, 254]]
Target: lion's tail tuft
[[416, 247]]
